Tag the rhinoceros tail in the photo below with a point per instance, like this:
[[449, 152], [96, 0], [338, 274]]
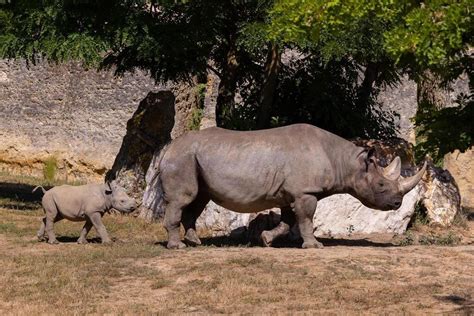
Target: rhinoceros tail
[[39, 186]]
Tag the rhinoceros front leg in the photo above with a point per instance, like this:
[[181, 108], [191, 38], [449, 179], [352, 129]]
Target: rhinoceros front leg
[[304, 207], [85, 230], [287, 221], [96, 219]]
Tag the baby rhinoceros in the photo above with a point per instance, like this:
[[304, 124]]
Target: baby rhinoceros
[[82, 203]]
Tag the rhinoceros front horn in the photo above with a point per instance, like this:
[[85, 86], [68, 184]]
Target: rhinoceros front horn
[[409, 183], [392, 171]]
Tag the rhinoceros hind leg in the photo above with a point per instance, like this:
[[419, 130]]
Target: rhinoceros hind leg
[[191, 238], [190, 216], [288, 219], [40, 234], [172, 223], [52, 216], [268, 236], [305, 207]]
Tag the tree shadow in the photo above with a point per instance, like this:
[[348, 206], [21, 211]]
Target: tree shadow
[[19, 196], [466, 304], [332, 242], [285, 242], [69, 239]]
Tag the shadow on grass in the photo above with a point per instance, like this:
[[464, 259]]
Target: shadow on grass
[[225, 241], [69, 239], [19, 196], [466, 304]]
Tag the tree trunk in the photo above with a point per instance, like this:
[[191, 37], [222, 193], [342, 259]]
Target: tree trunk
[[228, 84], [431, 94], [272, 66], [366, 88], [210, 101]]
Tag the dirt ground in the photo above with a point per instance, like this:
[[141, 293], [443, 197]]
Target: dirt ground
[[137, 275]]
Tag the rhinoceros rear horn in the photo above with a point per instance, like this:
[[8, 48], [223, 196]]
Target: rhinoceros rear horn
[[392, 171], [409, 183]]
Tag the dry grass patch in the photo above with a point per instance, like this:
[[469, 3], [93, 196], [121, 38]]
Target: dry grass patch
[[135, 275]]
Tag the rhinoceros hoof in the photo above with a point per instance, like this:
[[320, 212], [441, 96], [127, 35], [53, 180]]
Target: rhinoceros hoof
[[175, 245], [191, 239], [82, 241], [267, 239], [312, 244], [53, 242], [107, 242], [41, 238]]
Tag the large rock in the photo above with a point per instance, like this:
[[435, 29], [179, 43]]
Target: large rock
[[461, 167], [219, 221], [440, 196], [149, 128], [342, 215]]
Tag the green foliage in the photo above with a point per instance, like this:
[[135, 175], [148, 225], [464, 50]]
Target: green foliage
[[432, 34], [329, 85], [201, 93], [443, 131], [408, 239], [448, 239], [195, 121], [50, 168]]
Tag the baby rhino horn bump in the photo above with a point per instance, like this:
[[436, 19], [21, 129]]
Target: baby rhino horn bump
[[409, 183], [392, 171]]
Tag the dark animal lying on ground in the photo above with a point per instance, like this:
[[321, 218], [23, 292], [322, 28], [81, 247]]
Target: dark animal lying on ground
[[82, 203], [288, 167]]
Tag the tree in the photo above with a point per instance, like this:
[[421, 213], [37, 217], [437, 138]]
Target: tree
[[169, 39], [429, 41]]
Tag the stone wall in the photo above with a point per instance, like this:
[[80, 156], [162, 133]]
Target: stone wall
[[76, 116]]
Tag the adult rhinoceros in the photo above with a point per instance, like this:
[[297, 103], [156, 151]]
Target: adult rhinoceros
[[288, 167]]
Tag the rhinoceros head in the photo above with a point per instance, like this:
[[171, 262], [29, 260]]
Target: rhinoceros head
[[119, 198], [382, 188]]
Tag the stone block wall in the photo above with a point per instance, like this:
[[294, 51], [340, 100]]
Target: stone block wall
[[77, 117]]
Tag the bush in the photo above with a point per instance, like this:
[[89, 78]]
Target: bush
[[49, 169]]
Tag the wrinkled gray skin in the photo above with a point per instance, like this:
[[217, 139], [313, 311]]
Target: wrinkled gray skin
[[289, 167], [82, 203]]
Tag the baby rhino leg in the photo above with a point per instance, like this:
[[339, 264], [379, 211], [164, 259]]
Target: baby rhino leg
[[96, 219], [85, 230], [52, 216]]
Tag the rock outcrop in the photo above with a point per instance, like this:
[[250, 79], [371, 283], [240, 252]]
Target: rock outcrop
[[461, 166], [440, 196], [149, 129]]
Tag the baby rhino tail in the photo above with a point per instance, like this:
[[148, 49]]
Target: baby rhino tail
[[39, 186]]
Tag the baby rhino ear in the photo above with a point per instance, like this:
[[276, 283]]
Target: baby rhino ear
[[108, 188]]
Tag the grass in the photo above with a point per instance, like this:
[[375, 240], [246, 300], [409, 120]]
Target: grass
[[137, 275]]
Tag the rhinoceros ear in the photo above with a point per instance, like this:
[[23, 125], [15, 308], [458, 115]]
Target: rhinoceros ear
[[367, 157]]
